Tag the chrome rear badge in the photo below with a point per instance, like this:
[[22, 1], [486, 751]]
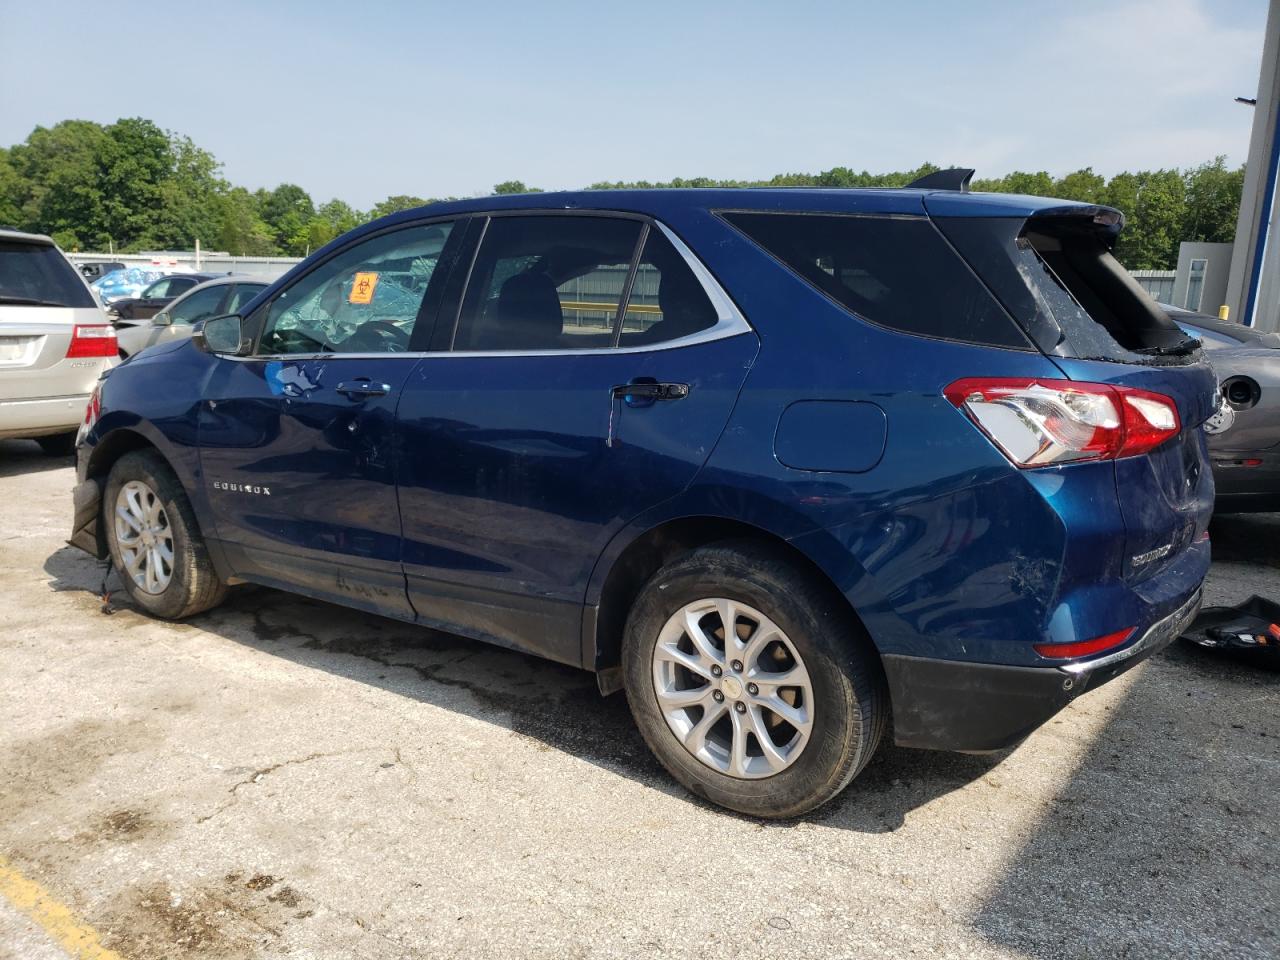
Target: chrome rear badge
[[1156, 554]]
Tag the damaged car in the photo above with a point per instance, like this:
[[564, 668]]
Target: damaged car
[[800, 471], [1244, 442]]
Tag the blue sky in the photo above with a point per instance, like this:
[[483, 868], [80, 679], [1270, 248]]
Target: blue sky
[[364, 100]]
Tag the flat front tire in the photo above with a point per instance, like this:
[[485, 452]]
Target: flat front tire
[[154, 540], [751, 682]]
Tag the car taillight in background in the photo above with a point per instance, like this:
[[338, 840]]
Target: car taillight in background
[[93, 340], [1038, 423]]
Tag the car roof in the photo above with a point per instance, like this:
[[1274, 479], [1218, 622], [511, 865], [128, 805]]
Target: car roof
[[656, 202], [8, 234], [226, 278]]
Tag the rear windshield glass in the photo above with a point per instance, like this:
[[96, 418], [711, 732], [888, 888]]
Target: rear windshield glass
[[897, 272], [37, 274], [1061, 283]]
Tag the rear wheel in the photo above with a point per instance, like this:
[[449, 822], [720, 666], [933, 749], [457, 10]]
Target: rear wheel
[[59, 445], [154, 541], [750, 682]]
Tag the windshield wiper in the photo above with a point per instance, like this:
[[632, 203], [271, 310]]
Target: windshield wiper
[[29, 301]]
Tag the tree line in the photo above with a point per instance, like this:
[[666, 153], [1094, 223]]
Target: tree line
[[130, 186]]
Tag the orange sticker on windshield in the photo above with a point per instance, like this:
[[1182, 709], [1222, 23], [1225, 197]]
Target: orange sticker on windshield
[[362, 287]]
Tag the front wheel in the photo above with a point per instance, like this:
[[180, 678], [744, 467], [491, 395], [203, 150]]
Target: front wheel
[[751, 682], [154, 541]]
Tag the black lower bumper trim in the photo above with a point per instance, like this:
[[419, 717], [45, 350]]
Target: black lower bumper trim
[[980, 707], [951, 705]]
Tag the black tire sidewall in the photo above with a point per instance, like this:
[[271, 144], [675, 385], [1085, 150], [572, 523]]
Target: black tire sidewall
[[842, 736], [173, 602]]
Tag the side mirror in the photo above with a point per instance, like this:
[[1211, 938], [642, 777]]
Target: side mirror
[[222, 335], [162, 319]]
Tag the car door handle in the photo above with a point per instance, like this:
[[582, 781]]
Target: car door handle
[[360, 389], [650, 390]]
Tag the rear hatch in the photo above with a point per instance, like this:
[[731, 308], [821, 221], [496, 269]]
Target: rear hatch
[[42, 300], [1055, 274]]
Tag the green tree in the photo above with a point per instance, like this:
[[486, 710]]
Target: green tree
[[1153, 202], [10, 187], [59, 187], [133, 164], [1213, 202], [189, 195], [1082, 185], [396, 204], [514, 186], [241, 229], [287, 210]]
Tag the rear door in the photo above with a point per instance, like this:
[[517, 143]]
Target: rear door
[[592, 368], [297, 441]]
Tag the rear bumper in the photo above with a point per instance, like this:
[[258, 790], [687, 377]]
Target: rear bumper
[[979, 707], [41, 417]]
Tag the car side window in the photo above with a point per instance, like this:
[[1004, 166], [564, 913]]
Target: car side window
[[198, 306], [667, 299], [547, 283], [158, 289], [364, 300], [242, 294]]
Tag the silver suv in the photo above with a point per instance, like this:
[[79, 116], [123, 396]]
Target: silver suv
[[54, 342]]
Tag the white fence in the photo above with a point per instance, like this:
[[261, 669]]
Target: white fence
[[187, 260]]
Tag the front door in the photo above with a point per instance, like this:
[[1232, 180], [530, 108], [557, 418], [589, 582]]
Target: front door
[[298, 441], [562, 410]]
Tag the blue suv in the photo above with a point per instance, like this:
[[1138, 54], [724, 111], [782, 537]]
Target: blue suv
[[799, 470]]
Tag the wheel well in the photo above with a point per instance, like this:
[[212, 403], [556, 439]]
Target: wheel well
[[112, 447], [648, 553]]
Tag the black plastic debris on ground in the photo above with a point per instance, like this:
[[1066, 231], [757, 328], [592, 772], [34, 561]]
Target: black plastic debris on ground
[[1249, 631]]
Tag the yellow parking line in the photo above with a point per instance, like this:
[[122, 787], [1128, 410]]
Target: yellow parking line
[[63, 927]]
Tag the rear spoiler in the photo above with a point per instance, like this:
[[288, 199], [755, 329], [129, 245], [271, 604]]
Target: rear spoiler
[[957, 178]]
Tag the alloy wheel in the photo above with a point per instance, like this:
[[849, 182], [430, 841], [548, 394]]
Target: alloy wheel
[[144, 537], [733, 688]]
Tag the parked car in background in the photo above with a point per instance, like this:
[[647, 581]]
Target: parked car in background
[[1246, 450], [129, 282], [725, 448], [155, 296], [209, 299], [93, 269], [54, 342]]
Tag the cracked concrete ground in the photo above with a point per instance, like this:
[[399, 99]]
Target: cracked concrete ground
[[284, 778]]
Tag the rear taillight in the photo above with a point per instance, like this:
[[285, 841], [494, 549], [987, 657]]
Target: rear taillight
[[93, 409], [93, 341], [1083, 648], [1037, 423]]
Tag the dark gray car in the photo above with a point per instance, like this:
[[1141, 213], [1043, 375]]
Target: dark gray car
[[1246, 454]]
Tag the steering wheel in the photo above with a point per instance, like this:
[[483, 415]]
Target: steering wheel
[[385, 329]]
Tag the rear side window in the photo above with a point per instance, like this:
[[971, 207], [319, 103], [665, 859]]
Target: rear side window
[[667, 300], [897, 272], [37, 274], [547, 283]]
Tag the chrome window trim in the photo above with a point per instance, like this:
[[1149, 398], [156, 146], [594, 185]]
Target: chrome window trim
[[729, 323]]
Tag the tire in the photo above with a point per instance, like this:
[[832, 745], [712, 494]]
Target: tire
[[846, 700], [59, 445], [187, 584]]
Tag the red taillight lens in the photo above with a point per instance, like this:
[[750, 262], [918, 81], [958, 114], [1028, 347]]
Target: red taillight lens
[[97, 340], [93, 409], [1082, 648], [1038, 423]]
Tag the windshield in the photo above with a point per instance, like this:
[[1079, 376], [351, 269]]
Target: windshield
[[37, 274]]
